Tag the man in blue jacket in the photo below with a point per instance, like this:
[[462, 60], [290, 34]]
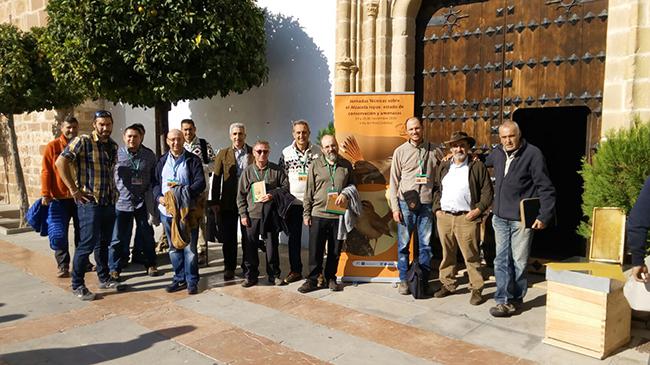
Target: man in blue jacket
[[637, 233], [520, 173], [180, 167]]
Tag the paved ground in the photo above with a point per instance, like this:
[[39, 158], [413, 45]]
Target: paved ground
[[42, 323]]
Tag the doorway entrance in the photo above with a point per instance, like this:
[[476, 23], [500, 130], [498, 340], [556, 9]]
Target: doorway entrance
[[560, 134]]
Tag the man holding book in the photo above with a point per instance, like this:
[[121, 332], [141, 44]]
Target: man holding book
[[520, 173]]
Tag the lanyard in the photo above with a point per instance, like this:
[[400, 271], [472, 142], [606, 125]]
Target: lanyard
[[332, 170], [303, 161], [135, 163], [266, 172], [423, 168]]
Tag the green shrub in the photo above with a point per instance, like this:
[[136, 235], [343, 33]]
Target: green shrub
[[617, 171]]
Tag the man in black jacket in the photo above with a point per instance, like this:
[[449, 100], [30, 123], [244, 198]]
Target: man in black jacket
[[637, 233], [520, 172]]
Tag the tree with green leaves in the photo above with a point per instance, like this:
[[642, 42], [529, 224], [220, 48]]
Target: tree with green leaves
[[152, 53], [617, 172], [27, 85]]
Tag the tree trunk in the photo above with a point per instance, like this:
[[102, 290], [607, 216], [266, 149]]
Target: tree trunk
[[162, 126], [18, 170]]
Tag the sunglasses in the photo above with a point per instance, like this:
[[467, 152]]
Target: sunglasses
[[261, 152], [103, 114]]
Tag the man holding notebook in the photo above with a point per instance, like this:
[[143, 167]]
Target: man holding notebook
[[520, 173]]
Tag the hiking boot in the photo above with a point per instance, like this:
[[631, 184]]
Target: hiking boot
[[293, 277], [403, 288], [502, 310], [476, 297], [308, 286], [63, 273], [443, 292], [192, 289], [115, 275], [153, 271], [247, 283], [112, 284], [228, 275], [334, 286], [175, 286], [83, 293]]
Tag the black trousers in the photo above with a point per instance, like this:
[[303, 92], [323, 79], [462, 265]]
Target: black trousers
[[228, 229], [323, 230], [294, 222], [251, 259]]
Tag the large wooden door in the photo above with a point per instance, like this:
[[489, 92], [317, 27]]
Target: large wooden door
[[479, 61]]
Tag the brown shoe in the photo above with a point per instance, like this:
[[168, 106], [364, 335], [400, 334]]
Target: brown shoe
[[334, 286], [115, 275], [320, 281], [153, 271], [403, 288], [293, 277], [443, 292], [308, 286], [476, 297]]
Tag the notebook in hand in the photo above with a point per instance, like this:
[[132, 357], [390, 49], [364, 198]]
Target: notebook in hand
[[529, 210]]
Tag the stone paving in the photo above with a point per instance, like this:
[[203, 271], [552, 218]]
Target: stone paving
[[41, 322]]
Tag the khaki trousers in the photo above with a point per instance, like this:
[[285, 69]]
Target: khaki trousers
[[457, 232]]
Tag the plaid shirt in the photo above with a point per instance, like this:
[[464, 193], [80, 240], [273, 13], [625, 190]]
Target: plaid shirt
[[94, 163]]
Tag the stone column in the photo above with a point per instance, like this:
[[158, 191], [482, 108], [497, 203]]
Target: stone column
[[627, 66], [402, 66], [368, 46], [343, 59], [382, 56]]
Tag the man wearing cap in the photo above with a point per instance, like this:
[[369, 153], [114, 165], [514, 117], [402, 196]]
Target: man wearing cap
[[465, 193], [411, 182], [520, 172]]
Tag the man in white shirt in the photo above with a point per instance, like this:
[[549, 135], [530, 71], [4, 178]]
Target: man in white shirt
[[465, 194]]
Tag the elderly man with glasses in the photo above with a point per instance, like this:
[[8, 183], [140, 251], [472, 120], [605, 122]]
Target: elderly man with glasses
[[256, 185], [93, 157]]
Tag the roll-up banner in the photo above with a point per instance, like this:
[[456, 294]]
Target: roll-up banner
[[369, 126]]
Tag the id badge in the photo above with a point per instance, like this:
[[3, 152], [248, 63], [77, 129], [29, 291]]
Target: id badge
[[421, 179], [171, 183], [302, 176]]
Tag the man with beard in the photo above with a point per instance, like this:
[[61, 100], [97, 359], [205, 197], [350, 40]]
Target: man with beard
[[411, 196], [465, 193], [326, 179], [93, 158], [55, 193]]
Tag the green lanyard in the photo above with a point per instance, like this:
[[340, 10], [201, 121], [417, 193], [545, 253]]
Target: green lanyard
[[303, 161], [258, 176], [332, 170], [135, 164], [423, 167]]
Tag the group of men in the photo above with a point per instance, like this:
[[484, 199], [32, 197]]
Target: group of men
[[458, 192], [104, 188]]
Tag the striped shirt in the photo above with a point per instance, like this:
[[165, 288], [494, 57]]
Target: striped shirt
[[94, 162]]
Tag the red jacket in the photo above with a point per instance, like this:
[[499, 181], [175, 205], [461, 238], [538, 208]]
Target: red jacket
[[51, 184]]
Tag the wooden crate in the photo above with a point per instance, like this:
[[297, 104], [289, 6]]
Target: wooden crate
[[590, 322]]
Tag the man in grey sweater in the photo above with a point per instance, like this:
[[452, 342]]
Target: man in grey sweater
[[250, 212], [411, 176]]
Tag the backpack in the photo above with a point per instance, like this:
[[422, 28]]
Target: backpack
[[416, 278]]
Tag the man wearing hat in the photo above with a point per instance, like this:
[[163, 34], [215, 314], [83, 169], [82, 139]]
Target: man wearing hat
[[465, 193]]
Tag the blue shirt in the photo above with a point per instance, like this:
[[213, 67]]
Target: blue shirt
[[174, 171], [133, 177]]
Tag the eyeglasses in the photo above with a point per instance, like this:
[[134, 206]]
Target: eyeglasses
[[261, 152], [103, 114]]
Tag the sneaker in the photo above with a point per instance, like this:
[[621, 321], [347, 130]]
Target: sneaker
[[334, 286], [476, 297], [115, 275], [153, 271], [228, 275], [247, 283], [293, 277], [192, 289], [63, 273], [502, 310], [83, 293], [308, 286], [403, 288], [443, 292], [175, 286], [112, 284]]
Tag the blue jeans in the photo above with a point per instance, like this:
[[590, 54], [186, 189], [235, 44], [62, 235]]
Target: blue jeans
[[122, 238], [512, 250], [423, 220], [186, 261], [95, 231]]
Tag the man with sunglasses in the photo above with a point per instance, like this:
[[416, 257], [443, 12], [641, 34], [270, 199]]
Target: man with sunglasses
[[93, 158], [231, 161], [261, 177]]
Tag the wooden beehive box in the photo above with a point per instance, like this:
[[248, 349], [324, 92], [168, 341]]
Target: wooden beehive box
[[586, 311]]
